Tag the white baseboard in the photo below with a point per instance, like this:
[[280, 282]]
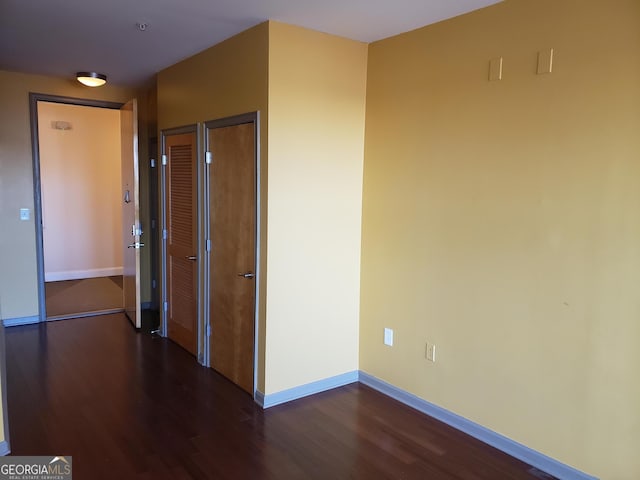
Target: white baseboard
[[521, 452], [95, 313], [14, 322], [273, 399], [79, 274], [510, 447]]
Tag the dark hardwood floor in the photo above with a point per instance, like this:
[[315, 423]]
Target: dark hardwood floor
[[130, 405]]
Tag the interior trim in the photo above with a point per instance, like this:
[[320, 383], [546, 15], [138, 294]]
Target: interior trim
[[273, 399], [95, 313], [258, 396], [82, 274], [34, 98], [15, 322]]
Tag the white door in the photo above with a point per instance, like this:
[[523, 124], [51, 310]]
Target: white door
[[131, 229]]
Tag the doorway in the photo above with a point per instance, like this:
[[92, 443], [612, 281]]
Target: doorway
[[81, 214], [78, 205]]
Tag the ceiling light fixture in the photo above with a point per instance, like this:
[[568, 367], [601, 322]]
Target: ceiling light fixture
[[91, 79]]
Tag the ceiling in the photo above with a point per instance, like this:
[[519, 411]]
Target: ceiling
[[60, 37]]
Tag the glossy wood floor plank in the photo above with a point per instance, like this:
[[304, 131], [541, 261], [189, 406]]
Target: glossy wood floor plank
[[130, 405]]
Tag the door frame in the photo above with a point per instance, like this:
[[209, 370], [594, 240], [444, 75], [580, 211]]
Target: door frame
[[251, 117], [34, 98], [163, 237]]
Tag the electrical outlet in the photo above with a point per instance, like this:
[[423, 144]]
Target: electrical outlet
[[430, 352], [388, 337]]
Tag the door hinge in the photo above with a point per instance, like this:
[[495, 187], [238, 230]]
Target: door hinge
[[164, 234], [153, 284], [153, 163], [164, 159], [208, 247], [153, 224], [208, 158], [165, 306], [207, 330]]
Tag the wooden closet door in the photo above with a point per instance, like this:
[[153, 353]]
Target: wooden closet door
[[233, 234], [181, 191]]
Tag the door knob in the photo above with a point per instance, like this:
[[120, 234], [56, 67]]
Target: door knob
[[247, 275], [193, 258], [136, 245]]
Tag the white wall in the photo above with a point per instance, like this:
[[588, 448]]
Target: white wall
[[81, 204]]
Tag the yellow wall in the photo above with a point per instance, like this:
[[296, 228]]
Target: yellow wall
[[227, 79], [311, 166], [18, 274], [501, 223], [316, 139], [80, 177]]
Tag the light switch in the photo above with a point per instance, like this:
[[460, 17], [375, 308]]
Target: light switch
[[25, 214], [388, 337], [545, 61]]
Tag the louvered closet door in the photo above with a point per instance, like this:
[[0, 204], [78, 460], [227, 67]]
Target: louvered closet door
[[181, 239]]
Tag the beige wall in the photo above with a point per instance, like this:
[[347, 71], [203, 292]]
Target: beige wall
[[18, 276], [80, 182], [227, 79], [501, 223], [317, 88]]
